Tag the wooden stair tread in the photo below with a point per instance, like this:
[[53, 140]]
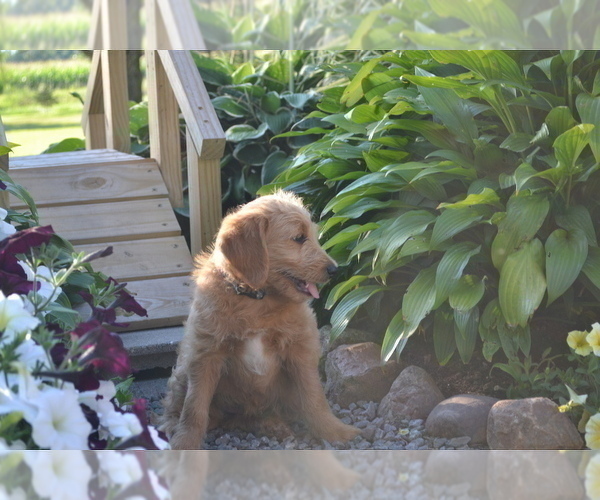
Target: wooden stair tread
[[77, 184], [87, 157], [109, 222], [143, 259]]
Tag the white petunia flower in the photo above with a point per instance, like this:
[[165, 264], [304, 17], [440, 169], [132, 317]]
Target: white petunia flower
[[14, 318], [592, 478], [43, 276], [6, 229], [121, 468], [23, 400], [62, 475], [160, 491], [60, 423], [15, 494], [99, 400], [160, 443], [30, 353], [121, 425]]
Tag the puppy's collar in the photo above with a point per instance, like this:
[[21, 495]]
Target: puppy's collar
[[242, 288]]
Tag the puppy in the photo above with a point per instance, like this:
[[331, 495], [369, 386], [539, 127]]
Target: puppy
[[251, 344]]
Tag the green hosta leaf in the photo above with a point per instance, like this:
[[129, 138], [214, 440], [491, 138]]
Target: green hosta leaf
[[351, 233], [452, 222], [238, 133], [407, 225], [354, 91], [569, 145], [465, 333], [395, 336], [270, 102], [274, 165], [297, 101], [66, 145], [365, 113], [525, 177], [522, 283], [591, 267], [443, 335], [559, 120], [341, 289], [435, 133], [517, 142], [279, 121], [525, 214], [566, 253], [451, 267], [467, 293], [330, 168], [416, 244], [419, 299], [348, 306], [488, 329], [486, 197], [230, 106], [589, 110], [339, 120], [578, 217], [379, 158], [251, 153]]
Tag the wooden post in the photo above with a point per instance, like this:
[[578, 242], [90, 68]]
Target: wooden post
[[163, 123], [204, 179], [93, 117], [95, 34], [116, 104], [4, 202], [181, 25], [156, 32], [114, 25]]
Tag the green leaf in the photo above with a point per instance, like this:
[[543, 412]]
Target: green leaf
[[435, 133], [20, 192], [486, 197], [525, 214], [589, 110], [238, 133], [251, 153], [341, 289], [242, 72], [522, 283], [578, 217], [569, 145], [379, 158], [591, 267], [559, 120], [270, 102], [452, 222], [297, 101], [419, 299], [274, 165], [279, 121], [353, 91], [407, 225], [451, 266], [444, 344], [465, 333], [517, 142], [467, 293], [348, 306], [230, 106], [365, 113], [66, 145], [351, 233], [566, 252], [416, 244], [395, 338]]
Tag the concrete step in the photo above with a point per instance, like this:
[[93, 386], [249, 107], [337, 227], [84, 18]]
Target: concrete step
[[155, 348]]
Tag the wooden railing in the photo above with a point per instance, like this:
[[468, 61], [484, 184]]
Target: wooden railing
[[174, 86], [3, 166]]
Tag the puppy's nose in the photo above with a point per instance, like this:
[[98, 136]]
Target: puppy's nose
[[331, 269]]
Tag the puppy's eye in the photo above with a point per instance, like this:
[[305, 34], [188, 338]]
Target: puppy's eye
[[299, 239]]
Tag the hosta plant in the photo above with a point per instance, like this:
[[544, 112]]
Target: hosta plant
[[460, 188], [64, 372]]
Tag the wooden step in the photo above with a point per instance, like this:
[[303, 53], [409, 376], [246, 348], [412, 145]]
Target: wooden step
[[78, 184], [167, 301], [110, 222], [143, 259], [88, 157]]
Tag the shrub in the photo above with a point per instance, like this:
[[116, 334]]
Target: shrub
[[64, 371], [459, 185]]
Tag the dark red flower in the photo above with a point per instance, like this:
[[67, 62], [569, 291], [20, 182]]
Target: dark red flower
[[126, 301], [83, 380], [144, 439], [103, 350], [106, 315]]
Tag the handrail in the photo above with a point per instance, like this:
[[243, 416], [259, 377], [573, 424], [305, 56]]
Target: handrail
[[4, 203], [174, 84]]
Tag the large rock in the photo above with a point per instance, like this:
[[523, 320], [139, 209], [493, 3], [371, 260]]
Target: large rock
[[462, 415], [412, 395], [452, 467], [355, 373], [530, 424], [528, 475], [348, 336]]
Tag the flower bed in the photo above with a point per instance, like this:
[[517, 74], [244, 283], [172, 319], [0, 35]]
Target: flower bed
[[65, 375]]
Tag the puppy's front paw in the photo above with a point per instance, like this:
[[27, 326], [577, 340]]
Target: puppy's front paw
[[185, 439], [339, 432]]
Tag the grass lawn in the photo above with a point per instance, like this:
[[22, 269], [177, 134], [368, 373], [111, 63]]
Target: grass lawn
[[35, 120]]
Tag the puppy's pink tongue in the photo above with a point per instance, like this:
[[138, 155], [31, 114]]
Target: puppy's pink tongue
[[312, 289]]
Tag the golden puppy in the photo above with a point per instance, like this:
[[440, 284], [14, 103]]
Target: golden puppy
[[251, 344]]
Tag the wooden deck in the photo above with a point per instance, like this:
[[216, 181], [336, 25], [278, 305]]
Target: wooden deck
[[103, 197]]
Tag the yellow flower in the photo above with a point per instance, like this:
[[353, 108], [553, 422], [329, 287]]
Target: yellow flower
[[592, 478], [593, 338], [592, 432], [577, 341]]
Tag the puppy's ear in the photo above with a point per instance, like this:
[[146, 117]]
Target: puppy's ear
[[242, 240]]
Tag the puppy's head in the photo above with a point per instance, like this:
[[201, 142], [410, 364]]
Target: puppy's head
[[272, 243]]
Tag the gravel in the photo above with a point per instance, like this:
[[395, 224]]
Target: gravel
[[376, 434]]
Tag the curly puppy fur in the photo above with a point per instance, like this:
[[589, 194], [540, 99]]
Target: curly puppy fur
[[243, 359]]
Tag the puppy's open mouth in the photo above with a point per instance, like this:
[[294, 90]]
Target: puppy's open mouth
[[304, 287]]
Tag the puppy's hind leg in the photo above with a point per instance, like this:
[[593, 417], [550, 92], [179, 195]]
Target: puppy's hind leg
[[173, 401]]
